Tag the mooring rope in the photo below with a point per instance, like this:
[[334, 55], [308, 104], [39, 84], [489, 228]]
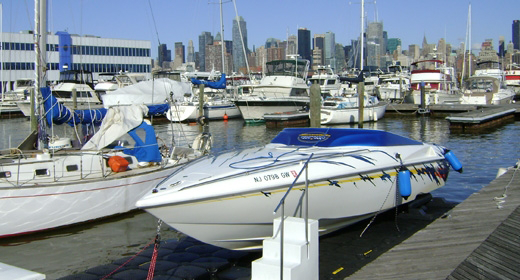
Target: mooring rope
[[502, 199], [153, 261]]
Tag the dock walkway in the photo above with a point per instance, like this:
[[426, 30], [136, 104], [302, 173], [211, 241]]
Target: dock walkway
[[479, 239]]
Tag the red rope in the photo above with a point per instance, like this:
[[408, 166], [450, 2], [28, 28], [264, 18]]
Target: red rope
[[153, 261], [130, 259]]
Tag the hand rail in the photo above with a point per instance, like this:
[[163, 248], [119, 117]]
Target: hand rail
[[282, 204]]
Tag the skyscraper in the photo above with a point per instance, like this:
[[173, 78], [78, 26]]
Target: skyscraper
[[239, 57], [191, 52], [317, 52], [516, 34], [330, 49], [392, 45], [179, 51], [204, 39], [375, 34], [304, 43], [165, 55], [292, 45]]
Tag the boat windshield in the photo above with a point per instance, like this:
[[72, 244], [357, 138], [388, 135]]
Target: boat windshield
[[297, 68]]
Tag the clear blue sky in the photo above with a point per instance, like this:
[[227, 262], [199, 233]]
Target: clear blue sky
[[170, 21]]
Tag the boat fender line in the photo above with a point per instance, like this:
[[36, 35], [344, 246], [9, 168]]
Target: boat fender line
[[404, 182], [454, 162]]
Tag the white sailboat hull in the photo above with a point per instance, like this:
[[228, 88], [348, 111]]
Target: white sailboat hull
[[31, 203]]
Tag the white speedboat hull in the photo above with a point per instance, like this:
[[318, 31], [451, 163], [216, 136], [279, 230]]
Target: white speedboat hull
[[229, 200]]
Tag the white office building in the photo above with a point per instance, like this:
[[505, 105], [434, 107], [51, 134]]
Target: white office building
[[71, 52]]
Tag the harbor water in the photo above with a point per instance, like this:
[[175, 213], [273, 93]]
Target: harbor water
[[74, 249]]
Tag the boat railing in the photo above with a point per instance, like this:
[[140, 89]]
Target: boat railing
[[281, 205]]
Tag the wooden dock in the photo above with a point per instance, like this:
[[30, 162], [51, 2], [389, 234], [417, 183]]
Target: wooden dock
[[481, 118], [478, 239]]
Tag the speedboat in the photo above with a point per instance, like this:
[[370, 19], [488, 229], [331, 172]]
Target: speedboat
[[228, 199]]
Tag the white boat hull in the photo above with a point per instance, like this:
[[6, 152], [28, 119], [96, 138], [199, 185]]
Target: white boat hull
[[438, 98], [56, 200], [228, 200], [181, 113], [254, 109], [351, 115]]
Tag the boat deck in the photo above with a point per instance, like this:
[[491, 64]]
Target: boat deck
[[479, 239]]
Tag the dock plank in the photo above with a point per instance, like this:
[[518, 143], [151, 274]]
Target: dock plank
[[479, 238]]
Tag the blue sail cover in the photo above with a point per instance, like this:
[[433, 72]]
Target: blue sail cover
[[160, 109], [147, 151], [57, 113], [220, 84]]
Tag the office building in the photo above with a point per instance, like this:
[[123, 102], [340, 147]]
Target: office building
[[205, 39], [239, 57], [516, 34], [72, 52], [329, 49], [304, 43]]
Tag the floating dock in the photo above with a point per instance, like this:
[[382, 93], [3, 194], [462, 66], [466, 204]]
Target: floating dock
[[481, 118], [478, 239], [287, 119]]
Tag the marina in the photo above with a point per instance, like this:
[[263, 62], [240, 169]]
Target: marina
[[122, 237], [300, 158]]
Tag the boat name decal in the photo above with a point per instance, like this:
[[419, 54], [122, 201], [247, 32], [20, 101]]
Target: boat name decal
[[275, 176], [313, 137]]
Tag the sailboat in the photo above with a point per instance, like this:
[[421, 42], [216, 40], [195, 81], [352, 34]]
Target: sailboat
[[59, 185]]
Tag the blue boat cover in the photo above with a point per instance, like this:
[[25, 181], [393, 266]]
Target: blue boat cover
[[147, 151], [57, 113], [160, 109], [220, 84], [333, 137]]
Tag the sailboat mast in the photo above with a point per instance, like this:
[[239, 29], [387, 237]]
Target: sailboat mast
[[362, 31], [1, 44], [469, 66], [222, 38]]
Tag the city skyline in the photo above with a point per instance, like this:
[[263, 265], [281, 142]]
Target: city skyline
[[181, 21]]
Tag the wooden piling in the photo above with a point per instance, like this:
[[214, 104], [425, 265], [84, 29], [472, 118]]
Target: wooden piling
[[361, 103], [315, 106]]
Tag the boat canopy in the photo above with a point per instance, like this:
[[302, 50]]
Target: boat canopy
[[288, 67], [333, 137]]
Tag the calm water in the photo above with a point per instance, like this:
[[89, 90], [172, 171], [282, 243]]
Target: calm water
[[72, 250]]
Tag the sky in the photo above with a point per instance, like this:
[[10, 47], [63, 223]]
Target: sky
[[170, 21]]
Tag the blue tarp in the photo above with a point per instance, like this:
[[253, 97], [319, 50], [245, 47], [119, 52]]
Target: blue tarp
[[220, 84], [57, 113]]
